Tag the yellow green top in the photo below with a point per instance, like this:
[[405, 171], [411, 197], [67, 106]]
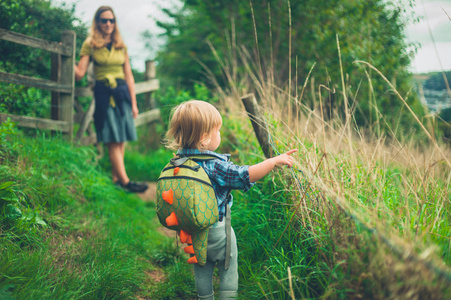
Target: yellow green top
[[108, 64]]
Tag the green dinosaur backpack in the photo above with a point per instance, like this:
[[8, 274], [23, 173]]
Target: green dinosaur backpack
[[186, 203]]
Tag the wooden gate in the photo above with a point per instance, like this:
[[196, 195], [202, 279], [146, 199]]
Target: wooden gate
[[64, 94], [63, 84]]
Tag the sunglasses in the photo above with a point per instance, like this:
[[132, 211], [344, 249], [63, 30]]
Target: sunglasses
[[104, 21]]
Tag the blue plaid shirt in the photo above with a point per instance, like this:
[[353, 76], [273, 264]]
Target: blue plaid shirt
[[224, 176]]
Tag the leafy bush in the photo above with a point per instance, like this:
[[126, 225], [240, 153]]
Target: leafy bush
[[6, 128], [24, 101], [445, 124], [436, 81]]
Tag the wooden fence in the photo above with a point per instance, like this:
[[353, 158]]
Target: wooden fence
[[63, 92]]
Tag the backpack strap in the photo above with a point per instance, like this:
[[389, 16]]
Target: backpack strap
[[228, 229], [178, 161], [200, 157], [182, 158]]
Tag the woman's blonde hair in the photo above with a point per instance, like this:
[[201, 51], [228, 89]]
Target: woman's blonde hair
[[96, 39], [191, 124]]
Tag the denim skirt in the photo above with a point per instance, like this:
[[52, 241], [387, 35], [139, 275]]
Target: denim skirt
[[118, 124]]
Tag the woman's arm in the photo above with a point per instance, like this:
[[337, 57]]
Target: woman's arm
[[131, 84], [258, 171], [82, 67]]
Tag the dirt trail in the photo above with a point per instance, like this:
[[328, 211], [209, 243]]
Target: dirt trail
[[150, 196], [155, 274]]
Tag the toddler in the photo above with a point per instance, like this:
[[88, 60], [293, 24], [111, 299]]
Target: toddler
[[195, 129]]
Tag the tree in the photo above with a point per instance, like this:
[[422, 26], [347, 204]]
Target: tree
[[368, 30], [437, 82], [444, 125], [39, 19]]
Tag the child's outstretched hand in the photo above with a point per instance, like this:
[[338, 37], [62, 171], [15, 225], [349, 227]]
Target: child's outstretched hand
[[259, 170], [285, 159]]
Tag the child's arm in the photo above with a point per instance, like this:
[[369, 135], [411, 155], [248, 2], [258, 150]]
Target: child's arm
[[258, 171]]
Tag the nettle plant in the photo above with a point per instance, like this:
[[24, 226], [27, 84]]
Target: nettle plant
[[9, 203], [14, 211], [6, 128]]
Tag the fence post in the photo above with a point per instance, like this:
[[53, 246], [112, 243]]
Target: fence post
[[55, 75], [258, 123], [66, 108], [150, 73]]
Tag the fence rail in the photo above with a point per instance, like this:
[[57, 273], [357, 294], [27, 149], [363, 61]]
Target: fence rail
[[30, 41], [35, 82], [140, 88], [38, 123]]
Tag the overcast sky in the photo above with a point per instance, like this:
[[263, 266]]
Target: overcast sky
[[135, 16], [435, 16]]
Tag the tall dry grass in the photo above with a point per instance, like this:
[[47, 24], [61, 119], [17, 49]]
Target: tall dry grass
[[383, 200]]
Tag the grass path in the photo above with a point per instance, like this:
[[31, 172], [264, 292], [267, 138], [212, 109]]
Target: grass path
[[150, 196]]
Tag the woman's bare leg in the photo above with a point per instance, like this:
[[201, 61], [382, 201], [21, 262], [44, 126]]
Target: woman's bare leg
[[116, 154]]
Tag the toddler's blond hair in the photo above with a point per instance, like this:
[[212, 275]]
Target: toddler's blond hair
[[191, 124]]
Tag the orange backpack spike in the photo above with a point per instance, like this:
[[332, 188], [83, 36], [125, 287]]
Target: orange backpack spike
[[176, 170], [192, 260], [185, 237], [168, 196], [189, 249], [172, 220]]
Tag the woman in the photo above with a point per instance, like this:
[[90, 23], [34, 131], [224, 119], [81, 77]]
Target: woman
[[114, 91]]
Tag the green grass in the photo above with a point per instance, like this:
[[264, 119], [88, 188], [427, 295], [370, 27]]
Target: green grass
[[78, 236], [371, 204], [350, 236], [141, 166], [338, 259]]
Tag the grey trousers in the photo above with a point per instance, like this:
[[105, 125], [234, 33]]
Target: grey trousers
[[228, 279]]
